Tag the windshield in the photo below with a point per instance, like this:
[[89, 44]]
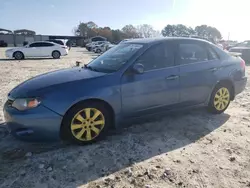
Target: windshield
[[114, 58]]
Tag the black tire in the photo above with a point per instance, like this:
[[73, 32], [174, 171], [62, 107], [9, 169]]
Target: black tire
[[98, 51], [18, 55], [56, 54], [66, 132], [211, 106]]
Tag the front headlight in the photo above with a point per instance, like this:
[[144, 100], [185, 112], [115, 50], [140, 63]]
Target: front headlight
[[25, 104]]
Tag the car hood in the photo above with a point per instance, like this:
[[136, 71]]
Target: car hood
[[48, 80]]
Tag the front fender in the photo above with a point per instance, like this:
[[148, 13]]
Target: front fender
[[64, 97]]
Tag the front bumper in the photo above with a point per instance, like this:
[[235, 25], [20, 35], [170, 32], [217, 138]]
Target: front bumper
[[240, 85], [38, 124]]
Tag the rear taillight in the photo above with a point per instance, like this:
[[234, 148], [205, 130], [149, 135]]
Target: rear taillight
[[243, 64]]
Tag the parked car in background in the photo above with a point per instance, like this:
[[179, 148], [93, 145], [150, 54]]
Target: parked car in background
[[94, 44], [243, 51], [3, 44], [109, 46], [37, 49], [101, 47], [89, 45], [133, 79], [241, 44]]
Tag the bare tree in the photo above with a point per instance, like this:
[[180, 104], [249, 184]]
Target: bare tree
[[146, 31], [130, 31]]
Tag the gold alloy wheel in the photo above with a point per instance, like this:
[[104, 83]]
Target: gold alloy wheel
[[87, 124], [221, 99]]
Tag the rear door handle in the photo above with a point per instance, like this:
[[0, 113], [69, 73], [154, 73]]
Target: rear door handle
[[172, 77]]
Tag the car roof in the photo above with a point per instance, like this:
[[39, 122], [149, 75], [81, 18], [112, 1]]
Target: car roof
[[161, 39], [44, 42]]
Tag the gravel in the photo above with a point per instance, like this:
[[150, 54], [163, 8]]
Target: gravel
[[183, 149]]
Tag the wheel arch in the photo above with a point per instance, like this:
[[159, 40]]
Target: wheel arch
[[229, 83], [13, 55], [105, 103], [56, 51]]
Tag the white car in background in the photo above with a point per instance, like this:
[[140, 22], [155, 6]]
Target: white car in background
[[101, 47], [107, 47], [38, 49], [92, 45]]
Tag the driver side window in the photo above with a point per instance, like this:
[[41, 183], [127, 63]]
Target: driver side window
[[157, 57]]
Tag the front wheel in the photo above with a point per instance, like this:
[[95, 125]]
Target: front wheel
[[86, 123], [18, 55], [220, 99]]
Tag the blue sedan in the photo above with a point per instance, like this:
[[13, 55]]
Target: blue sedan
[[134, 79]]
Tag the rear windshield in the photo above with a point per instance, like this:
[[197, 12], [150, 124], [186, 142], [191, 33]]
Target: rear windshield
[[115, 58]]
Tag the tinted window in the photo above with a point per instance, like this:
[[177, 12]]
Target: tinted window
[[192, 53], [157, 57], [36, 44], [45, 44], [41, 44], [212, 54]]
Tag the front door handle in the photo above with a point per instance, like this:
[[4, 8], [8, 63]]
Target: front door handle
[[172, 77]]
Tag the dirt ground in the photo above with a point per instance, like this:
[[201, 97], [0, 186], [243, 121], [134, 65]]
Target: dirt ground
[[182, 149]]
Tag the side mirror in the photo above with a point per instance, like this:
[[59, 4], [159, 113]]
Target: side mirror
[[138, 68]]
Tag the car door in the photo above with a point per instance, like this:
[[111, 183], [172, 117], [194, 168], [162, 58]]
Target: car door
[[157, 87], [32, 50], [198, 64], [46, 49]]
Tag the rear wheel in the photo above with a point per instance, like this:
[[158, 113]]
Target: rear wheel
[[18, 55], [86, 123], [220, 99], [56, 54], [98, 51]]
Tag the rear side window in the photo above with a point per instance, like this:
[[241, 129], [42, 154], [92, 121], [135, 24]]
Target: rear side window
[[212, 54], [41, 44], [45, 44], [157, 57], [192, 53]]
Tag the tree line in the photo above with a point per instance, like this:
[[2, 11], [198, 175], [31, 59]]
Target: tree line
[[91, 29]]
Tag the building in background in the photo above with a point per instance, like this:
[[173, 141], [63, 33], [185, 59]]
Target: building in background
[[22, 36]]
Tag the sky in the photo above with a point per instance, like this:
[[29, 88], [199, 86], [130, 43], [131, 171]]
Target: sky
[[59, 17]]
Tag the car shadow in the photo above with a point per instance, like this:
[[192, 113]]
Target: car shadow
[[122, 148], [28, 59]]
